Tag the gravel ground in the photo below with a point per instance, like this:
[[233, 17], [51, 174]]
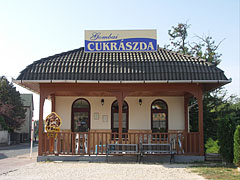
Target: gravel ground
[[100, 171]]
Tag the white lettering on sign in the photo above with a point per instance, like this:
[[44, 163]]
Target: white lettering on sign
[[104, 41]]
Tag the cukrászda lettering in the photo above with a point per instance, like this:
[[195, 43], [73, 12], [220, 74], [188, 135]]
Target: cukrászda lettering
[[113, 46]]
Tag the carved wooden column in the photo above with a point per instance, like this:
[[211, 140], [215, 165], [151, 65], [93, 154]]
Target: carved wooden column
[[120, 105], [40, 131], [53, 101], [186, 100], [200, 121]]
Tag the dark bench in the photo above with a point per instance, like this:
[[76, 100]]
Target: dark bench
[[155, 149], [123, 149]]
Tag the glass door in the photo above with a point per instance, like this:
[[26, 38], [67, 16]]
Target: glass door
[[80, 116], [115, 120], [80, 121]]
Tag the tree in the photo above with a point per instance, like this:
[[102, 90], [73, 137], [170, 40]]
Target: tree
[[218, 110], [237, 146], [228, 121], [11, 107], [178, 37], [206, 49]]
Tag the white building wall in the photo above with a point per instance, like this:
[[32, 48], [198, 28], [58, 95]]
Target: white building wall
[[64, 110], [3, 137], [139, 116]]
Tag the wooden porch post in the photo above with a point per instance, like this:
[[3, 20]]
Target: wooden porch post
[[53, 101], [40, 127], [120, 105], [186, 100], [200, 121]]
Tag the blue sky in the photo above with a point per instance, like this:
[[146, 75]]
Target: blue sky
[[30, 30]]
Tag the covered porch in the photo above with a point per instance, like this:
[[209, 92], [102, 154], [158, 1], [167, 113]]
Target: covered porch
[[138, 127], [128, 98]]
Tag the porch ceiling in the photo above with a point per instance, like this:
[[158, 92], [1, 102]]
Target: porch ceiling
[[108, 90]]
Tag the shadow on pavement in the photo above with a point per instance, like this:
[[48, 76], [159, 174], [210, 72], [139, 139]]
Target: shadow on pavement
[[2, 156]]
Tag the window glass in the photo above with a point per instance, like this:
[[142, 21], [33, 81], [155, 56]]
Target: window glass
[[115, 120], [159, 105], [81, 103], [80, 116], [159, 116]]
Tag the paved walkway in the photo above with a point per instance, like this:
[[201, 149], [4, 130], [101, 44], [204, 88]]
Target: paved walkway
[[16, 150], [23, 167], [100, 171], [15, 156], [12, 164]]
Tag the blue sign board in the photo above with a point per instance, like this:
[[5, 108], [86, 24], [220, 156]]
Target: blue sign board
[[124, 40]]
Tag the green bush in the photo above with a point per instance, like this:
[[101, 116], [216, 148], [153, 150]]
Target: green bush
[[237, 146], [212, 146], [225, 136]]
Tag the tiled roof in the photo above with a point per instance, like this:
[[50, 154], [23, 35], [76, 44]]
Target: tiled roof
[[162, 65]]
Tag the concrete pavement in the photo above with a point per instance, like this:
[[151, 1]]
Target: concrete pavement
[[13, 157], [16, 150]]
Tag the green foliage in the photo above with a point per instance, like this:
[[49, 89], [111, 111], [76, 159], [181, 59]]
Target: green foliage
[[221, 114], [178, 36], [237, 146], [205, 47], [225, 135], [216, 171], [3, 124], [226, 129], [212, 146], [212, 103], [212, 112], [11, 108], [229, 119]]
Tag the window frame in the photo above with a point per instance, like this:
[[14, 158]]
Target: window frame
[[81, 110], [159, 111], [116, 111]]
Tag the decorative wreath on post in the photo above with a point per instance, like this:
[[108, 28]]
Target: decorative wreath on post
[[53, 123]]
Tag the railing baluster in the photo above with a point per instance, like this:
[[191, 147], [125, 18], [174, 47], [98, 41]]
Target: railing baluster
[[97, 146], [93, 134], [96, 142], [58, 142], [191, 144], [62, 143], [72, 143], [78, 143], [45, 142], [89, 143], [134, 138], [130, 138], [82, 141], [68, 143], [177, 143], [126, 138], [102, 142]]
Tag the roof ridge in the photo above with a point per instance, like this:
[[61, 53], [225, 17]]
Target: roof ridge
[[59, 54], [181, 54]]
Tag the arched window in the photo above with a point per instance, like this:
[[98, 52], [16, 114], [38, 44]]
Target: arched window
[[80, 115], [114, 117], [159, 116]]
